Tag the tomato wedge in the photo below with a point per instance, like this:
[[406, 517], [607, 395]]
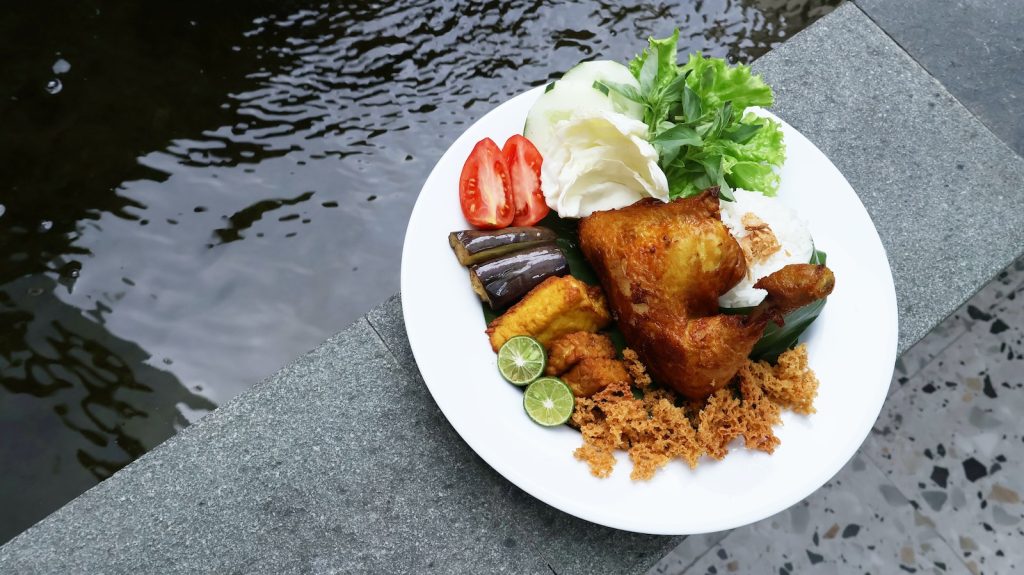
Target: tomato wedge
[[485, 188], [524, 163]]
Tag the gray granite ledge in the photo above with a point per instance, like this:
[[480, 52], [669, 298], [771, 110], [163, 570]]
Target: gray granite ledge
[[341, 462], [976, 49]]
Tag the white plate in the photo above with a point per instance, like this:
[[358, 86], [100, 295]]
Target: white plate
[[852, 348]]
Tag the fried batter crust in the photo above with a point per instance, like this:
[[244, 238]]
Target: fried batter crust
[[591, 375], [659, 426], [570, 349]]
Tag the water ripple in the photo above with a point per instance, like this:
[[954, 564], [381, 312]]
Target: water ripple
[[210, 189]]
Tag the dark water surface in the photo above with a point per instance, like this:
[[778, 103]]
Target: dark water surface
[[194, 193]]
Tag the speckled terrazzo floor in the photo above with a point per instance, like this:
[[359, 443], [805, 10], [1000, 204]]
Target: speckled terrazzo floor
[[937, 487]]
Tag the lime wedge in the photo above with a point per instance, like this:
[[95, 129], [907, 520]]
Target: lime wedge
[[549, 401], [521, 360]]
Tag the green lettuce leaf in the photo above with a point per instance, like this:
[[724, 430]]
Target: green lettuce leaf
[[697, 120], [716, 83], [663, 69]]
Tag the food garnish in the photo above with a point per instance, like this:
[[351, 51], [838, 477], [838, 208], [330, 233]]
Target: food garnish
[[548, 401], [760, 242], [521, 360], [485, 188], [503, 281], [698, 120], [524, 165], [655, 427], [559, 305], [476, 246]]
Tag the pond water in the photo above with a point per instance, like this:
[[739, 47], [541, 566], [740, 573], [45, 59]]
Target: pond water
[[194, 193]]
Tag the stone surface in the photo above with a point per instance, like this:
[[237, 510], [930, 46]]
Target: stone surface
[[943, 191], [857, 523], [976, 49], [340, 463], [970, 315], [951, 438]]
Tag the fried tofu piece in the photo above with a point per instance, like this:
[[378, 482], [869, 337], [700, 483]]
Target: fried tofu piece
[[558, 306], [570, 349], [594, 374]]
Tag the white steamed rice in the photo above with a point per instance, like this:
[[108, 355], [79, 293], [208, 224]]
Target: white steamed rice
[[791, 233]]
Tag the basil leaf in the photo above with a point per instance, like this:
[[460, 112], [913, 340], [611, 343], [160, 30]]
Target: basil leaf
[[673, 91], [648, 75], [713, 168], [625, 90], [722, 118], [691, 104], [678, 135], [670, 141], [742, 133], [725, 192]]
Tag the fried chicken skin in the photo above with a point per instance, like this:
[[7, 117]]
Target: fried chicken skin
[[568, 350], [663, 267], [591, 375]]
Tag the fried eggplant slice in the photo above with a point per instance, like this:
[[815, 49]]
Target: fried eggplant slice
[[503, 281], [477, 246]]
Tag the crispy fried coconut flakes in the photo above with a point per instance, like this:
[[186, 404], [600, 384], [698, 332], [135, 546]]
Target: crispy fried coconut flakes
[[656, 426]]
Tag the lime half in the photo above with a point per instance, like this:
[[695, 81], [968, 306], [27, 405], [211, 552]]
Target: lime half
[[521, 360], [549, 401]]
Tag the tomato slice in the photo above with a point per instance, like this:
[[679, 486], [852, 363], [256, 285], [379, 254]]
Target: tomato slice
[[524, 163], [485, 188]]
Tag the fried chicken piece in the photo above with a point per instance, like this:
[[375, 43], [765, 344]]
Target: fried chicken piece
[[663, 267], [570, 349], [591, 375], [558, 306]]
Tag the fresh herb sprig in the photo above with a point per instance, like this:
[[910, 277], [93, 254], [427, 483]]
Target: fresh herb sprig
[[698, 121]]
